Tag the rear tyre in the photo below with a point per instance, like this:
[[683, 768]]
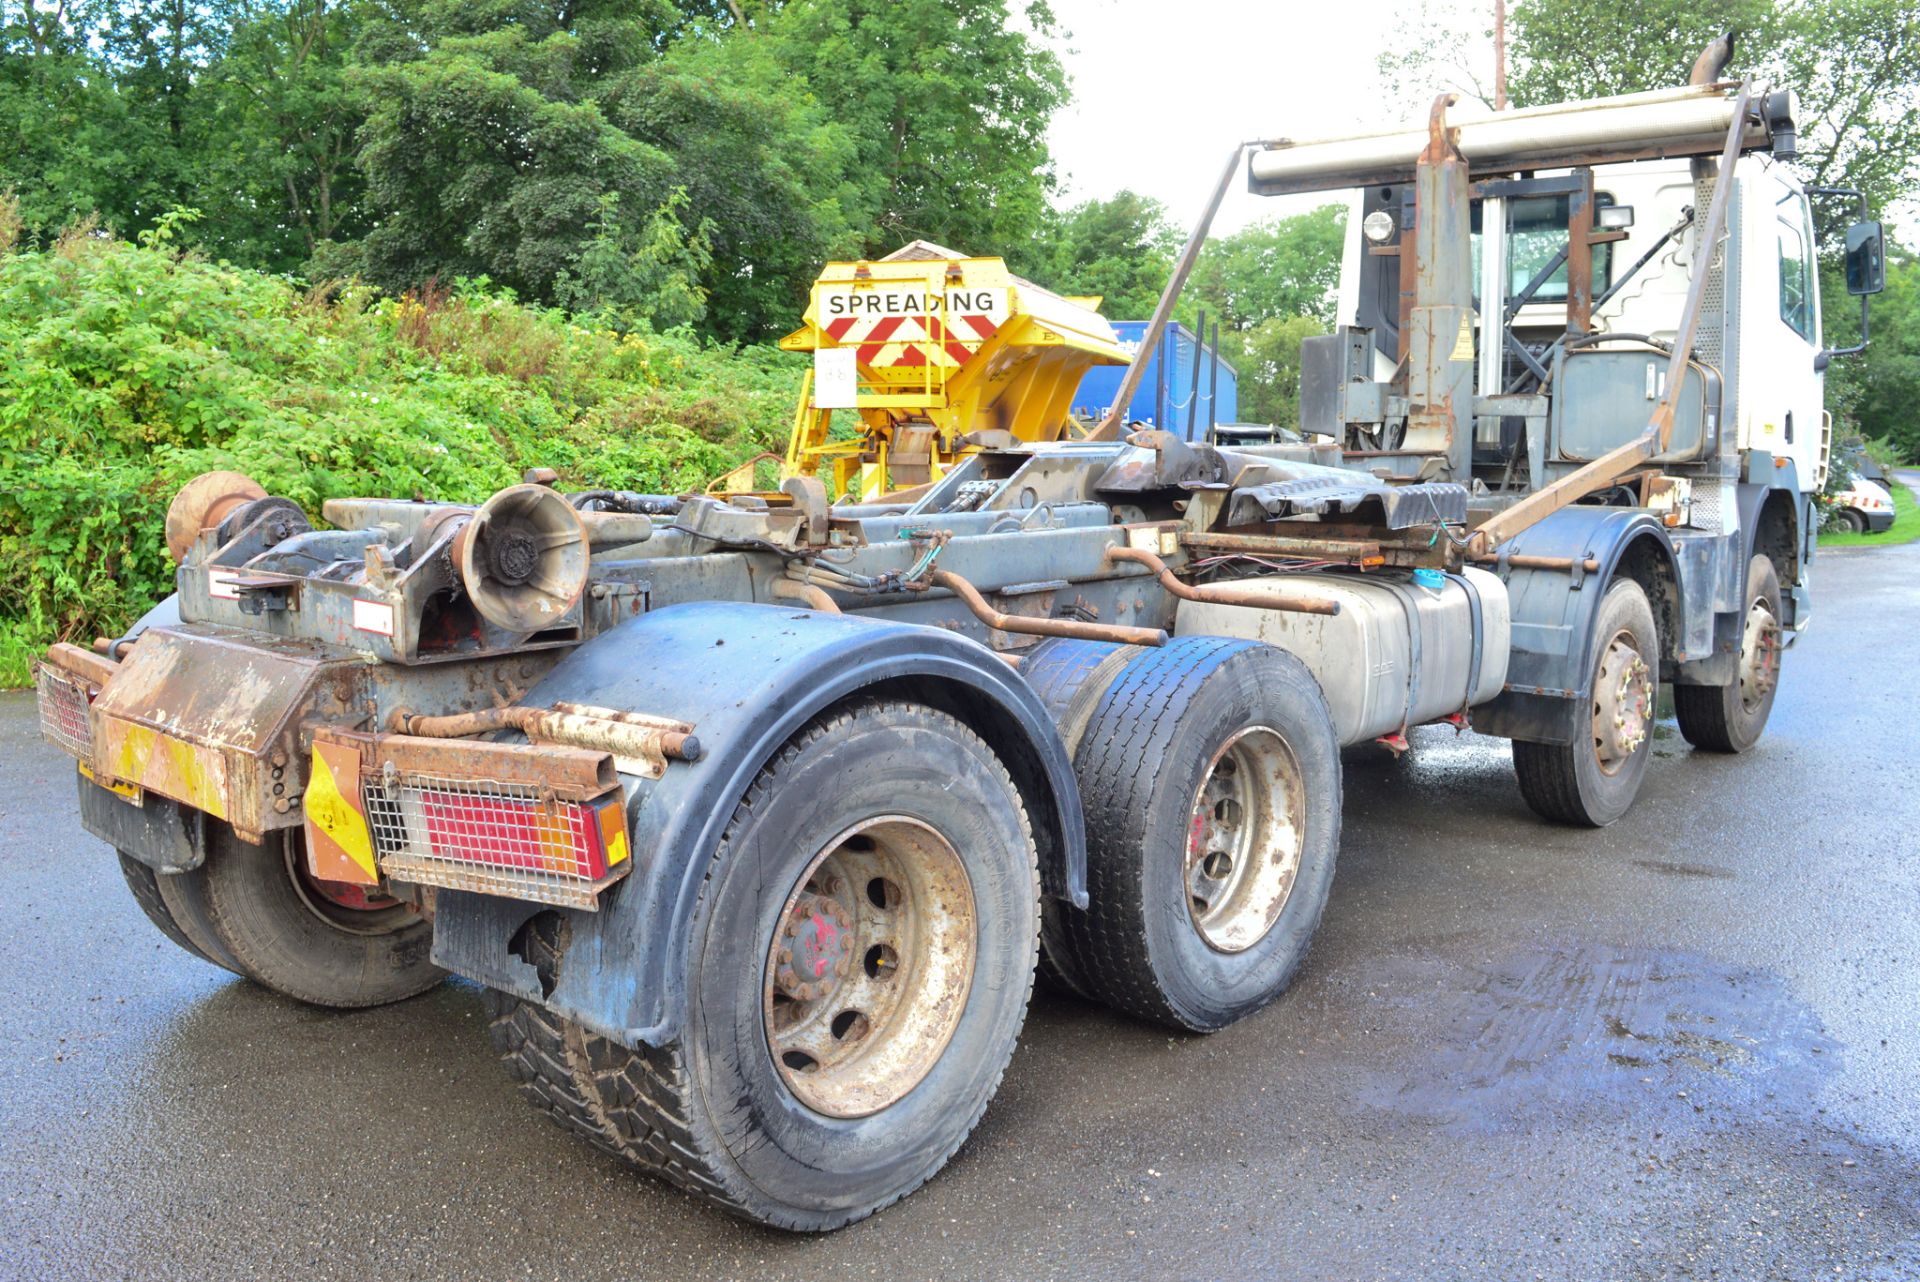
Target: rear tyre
[[315, 942], [861, 956], [144, 882], [1851, 522], [185, 898], [1070, 676], [1732, 717], [1593, 781], [1210, 777]]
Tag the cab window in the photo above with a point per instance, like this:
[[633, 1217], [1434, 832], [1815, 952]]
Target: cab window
[[1796, 272], [1536, 231]]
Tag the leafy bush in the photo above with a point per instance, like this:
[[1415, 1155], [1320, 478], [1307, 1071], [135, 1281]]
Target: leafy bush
[[127, 369]]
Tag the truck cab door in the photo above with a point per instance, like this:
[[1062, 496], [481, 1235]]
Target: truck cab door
[[1781, 398]]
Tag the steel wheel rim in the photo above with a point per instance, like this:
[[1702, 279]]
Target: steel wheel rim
[[872, 958], [1759, 655], [1622, 703], [377, 915], [1244, 838]]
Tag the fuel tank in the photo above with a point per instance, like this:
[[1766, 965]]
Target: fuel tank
[[1398, 653]]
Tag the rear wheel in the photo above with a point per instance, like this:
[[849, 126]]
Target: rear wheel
[[1593, 780], [1210, 777], [320, 942], [1731, 717], [185, 897], [860, 961], [1851, 521], [144, 882]]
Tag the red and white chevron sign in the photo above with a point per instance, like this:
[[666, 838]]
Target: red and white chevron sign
[[905, 325]]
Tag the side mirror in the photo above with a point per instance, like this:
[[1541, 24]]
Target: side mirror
[[1866, 259]]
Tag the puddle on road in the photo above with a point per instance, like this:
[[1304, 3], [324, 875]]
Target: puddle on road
[[1580, 1028]]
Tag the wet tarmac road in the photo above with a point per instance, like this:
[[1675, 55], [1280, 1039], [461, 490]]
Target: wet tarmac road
[[1686, 1046]]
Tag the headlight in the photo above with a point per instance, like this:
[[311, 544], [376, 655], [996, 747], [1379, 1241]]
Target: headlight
[[1378, 227]]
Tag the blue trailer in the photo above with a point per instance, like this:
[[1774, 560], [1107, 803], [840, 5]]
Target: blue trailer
[[1167, 397]]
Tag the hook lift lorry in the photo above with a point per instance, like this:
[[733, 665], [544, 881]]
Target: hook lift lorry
[[754, 814]]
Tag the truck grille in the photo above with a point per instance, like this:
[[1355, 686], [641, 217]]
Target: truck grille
[[63, 712], [497, 839]]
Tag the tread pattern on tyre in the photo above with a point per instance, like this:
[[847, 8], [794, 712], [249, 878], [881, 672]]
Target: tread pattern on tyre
[[1121, 755], [1545, 774], [637, 1102], [145, 884], [1706, 713]]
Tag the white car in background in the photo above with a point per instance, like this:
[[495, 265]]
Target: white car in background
[[1863, 508]]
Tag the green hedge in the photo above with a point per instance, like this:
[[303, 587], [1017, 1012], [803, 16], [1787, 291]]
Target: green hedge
[[127, 369]]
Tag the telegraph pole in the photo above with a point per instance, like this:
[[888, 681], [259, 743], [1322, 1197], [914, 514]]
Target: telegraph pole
[[1499, 55]]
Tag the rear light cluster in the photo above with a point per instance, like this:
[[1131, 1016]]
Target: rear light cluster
[[63, 711], [498, 839]]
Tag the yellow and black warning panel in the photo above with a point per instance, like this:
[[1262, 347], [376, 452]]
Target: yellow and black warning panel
[[930, 350]]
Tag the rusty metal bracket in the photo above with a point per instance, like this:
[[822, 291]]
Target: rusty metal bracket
[[639, 743]]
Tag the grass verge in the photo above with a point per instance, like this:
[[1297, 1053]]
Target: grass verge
[[1905, 527]]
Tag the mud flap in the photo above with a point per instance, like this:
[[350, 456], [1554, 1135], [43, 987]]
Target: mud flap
[[160, 832]]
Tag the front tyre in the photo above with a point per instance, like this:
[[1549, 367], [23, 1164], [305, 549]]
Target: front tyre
[[860, 961], [1593, 781], [1731, 717]]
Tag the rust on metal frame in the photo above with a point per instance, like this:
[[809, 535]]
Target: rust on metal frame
[[568, 774], [94, 669], [1624, 458]]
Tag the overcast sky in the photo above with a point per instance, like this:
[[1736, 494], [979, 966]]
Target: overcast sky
[[1162, 91]]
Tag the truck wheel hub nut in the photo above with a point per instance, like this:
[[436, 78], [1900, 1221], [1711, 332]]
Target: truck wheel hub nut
[[816, 948], [1759, 655], [1622, 702], [869, 968]]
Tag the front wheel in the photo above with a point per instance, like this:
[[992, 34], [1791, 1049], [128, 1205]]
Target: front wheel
[[1731, 717], [1593, 780], [860, 960]]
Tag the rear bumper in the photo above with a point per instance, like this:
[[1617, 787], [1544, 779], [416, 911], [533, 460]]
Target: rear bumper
[[1878, 522]]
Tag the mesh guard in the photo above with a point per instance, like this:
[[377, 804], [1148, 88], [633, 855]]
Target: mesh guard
[[497, 838]]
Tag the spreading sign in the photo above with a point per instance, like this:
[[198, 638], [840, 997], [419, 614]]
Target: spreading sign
[[902, 324]]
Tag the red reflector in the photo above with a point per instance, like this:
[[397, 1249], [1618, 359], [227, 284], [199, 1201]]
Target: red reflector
[[506, 832]]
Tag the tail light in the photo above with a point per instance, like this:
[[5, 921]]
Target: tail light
[[498, 839]]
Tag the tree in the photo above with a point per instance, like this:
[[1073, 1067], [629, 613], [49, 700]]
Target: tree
[[947, 102], [1268, 365], [481, 160], [276, 136], [764, 168], [1121, 249], [65, 140], [1855, 64], [1275, 268]]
